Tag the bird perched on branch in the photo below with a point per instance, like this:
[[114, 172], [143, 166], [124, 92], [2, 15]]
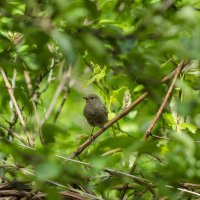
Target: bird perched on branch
[[95, 111]]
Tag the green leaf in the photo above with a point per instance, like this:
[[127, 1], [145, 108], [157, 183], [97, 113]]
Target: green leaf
[[31, 61], [138, 88], [118, 94], [94, 47], [48, 170], [49, 131], [169, 119], [52, 194], [191, 127], [66, 45], [98, 74]]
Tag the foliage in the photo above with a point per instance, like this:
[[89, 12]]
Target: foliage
[[56, 51]]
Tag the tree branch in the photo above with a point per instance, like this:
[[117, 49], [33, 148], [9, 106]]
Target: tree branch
[[148, 132], [11, 93], [178, 70], [82, 147]]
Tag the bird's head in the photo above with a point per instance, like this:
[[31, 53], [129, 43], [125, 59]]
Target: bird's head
[[91, 98]]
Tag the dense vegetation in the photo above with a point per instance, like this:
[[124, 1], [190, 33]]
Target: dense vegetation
[[142, 59]]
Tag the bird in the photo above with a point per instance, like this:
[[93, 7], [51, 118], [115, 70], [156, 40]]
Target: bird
[[95, 111]]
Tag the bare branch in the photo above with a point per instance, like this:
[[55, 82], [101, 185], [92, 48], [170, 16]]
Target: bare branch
[[60, 87], [28, 81], [12, 113], [50, 76], [67, 90], [11, 93], [48, 72], [178, 70], [184, 190]]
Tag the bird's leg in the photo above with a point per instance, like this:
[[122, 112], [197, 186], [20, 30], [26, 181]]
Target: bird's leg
[[92, 131], [102, 127], [91, 136]]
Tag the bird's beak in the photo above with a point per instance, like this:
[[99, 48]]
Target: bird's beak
[[85, 98]]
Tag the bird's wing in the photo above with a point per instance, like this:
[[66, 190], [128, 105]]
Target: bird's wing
[[103, 109]]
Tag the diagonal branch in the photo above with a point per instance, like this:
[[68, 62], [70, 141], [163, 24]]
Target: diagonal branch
[[148, 132], [165, 100], [107, 125], [13, 118], [11, 93], [82, 147]]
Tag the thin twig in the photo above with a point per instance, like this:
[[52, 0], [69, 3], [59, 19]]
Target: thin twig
[[36, 114], [25, 171], [60, 87], [168, 77], [184, 190], [150, 188], [125, 187], [160, 137], [108, 170], [50, 76], [82, 147], [67, 90], [35, 92], [12, 113], [28, 81], [61, 105], [11, 93], [14, 134], [166, 138], [190, 185]]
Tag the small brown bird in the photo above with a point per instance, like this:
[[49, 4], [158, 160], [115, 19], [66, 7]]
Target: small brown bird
[[95, 111]]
